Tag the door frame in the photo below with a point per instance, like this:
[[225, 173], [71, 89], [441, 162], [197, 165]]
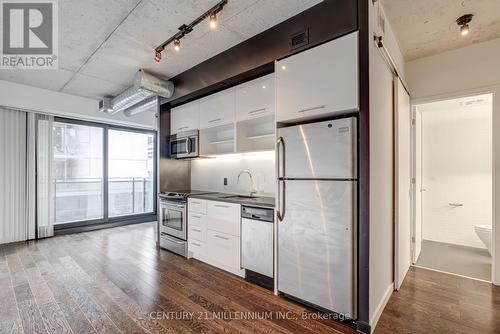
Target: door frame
[[401, 265], [494, 91]]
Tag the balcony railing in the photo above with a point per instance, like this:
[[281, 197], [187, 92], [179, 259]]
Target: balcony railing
[[80, 199]]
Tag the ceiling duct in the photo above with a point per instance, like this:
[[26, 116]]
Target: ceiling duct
[[145, 87]]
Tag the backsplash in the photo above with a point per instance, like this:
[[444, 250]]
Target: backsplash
[[209, 173]]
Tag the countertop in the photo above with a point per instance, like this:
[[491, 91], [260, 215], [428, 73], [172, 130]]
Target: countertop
[[221, 197]]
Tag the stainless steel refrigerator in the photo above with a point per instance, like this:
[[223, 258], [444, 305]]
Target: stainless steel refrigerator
[[317, 214]]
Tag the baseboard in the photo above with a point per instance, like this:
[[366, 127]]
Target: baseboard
[[381, 306]]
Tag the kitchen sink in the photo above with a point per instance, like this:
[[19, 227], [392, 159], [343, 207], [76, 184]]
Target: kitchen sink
[[240, 197]]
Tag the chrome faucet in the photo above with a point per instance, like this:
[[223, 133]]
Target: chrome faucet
[[252, 190]]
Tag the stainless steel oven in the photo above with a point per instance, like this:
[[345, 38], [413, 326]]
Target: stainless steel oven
[[184, 144], [173, 219], [173, 226]]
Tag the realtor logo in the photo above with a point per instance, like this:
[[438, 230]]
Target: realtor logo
[[29, 34]]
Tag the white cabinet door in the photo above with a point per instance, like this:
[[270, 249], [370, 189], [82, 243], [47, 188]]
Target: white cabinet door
[[217, 109], [197, 205], [255, 98], [185, 117], [224, 249], [223, 217], [318, 82]]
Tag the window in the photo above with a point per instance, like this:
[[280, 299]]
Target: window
[[101, 173]]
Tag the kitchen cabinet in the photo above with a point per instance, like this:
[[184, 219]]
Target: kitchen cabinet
[[224, 217], [214, 233], [217, 109], [185, 117], [224, 249], [318, 82], [255, 98], [217, 140]]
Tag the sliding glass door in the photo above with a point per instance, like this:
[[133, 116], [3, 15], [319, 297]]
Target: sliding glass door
[[101, 174], [78, 172], [130, 173]]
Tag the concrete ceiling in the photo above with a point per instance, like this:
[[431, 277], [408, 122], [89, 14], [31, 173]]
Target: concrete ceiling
[[427, 27], [103, 44]]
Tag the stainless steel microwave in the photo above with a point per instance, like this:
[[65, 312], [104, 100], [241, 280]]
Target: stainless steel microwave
[[184, 145]]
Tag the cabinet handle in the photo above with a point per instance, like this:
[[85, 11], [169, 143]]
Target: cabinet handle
[[221, 237], [196, 230], [257, 111], [183, 127], [215, 120], [311, 109], [195, 244], [194, 202], [222, 206], [199, 217]]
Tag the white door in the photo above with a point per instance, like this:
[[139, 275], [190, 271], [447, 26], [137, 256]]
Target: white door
[[417, 190], [402, 121]]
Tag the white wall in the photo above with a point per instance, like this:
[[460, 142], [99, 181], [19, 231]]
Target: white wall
[[456, 168], [25, 97], [209, 174], [469, 70], [381, 172]]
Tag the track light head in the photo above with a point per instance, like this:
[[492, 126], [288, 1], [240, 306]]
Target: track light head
[[177, 44], [157, 56], [213, 20]]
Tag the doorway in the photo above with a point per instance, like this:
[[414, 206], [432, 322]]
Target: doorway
[[453, 175]]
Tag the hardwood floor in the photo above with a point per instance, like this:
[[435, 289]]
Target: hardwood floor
[[433, 302], [116, 281]]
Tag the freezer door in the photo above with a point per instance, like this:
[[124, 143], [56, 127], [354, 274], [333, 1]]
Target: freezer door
[[316, 244], [324, 150]]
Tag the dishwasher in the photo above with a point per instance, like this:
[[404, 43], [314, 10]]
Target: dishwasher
[[257, 245]]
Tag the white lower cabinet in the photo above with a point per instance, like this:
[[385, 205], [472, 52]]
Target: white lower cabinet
[[224, 249], [214, 234]]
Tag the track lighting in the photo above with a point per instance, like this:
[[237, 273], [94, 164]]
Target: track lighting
[[463, 21], [213, 20], [187, 28], [177, 44]]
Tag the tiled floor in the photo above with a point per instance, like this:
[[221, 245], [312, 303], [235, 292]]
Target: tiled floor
[[461, 260]]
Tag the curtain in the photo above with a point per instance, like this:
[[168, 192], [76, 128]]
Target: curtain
[[13, 226], [45, 185]]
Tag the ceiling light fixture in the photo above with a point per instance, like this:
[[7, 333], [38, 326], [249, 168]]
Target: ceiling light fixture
[[463, 21], [177, 44], [187, 28], [213, 20]]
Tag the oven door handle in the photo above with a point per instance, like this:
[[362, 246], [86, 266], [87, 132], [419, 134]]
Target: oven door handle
[[173, 205]]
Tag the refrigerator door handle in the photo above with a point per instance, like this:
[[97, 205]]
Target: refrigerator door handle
[[280, 142], [280, 213]]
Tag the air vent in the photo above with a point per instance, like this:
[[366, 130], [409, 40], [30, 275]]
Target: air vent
[[299, 39]]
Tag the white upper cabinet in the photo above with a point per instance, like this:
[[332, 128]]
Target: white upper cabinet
[[318, 82], [255, 98], [185, 117], [217, 109]]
